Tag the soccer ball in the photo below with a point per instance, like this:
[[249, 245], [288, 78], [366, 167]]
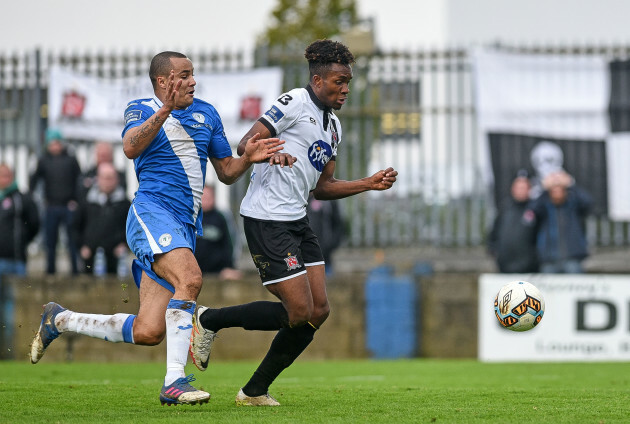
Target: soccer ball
[[519, 306]]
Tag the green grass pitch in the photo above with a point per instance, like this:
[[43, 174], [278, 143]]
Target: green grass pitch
[[403, 391]]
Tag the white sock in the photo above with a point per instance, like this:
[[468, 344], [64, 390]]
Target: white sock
[[106, 327], [178, 331]]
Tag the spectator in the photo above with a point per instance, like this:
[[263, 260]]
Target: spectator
[[19, 224], [561, 211], [546, 158], [215, 249], [325, 219], [101, 220], [512, 240], [103, 153], [60, 173]]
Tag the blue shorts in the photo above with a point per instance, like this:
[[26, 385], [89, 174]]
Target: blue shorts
[[152, 230]]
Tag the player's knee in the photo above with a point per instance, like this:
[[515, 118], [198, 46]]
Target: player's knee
[[300, 315], [320, 314], [189, 288], [148, 336]]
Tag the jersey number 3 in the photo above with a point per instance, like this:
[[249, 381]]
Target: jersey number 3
[[285, 99]]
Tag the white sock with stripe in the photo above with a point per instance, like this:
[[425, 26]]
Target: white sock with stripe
[[112, 328], [178, 329]]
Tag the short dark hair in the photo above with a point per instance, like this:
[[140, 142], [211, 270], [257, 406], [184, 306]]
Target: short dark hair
[[322, 53], [161, 64]]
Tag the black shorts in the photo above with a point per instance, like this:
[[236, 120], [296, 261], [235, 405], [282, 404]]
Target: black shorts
[[282, 249]]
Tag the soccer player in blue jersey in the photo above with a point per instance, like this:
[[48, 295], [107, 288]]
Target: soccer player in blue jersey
[[283, 246], [170, 138]]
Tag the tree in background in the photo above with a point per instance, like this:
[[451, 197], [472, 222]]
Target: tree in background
[[296, 24]]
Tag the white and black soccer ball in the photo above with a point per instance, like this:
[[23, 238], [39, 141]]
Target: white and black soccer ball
[[519, 306]]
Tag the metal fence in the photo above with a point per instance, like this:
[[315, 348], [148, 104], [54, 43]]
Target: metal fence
[[413, 111]]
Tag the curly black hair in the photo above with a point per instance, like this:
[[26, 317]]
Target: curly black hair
[[322, 53]]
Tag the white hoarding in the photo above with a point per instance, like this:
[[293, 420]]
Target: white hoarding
[[586, 318]]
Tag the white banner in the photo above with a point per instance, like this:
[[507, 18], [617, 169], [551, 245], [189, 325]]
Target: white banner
[[586, 319], [91, 108], [550, 95]]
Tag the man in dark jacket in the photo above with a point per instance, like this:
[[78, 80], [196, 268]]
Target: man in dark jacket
[[561, 211], [512, 240], [100, 221], [60, 173], [19, 224]]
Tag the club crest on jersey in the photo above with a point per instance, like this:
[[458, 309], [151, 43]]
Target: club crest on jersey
[[292, 262], [165, 239], [199, 117], [319, 154]]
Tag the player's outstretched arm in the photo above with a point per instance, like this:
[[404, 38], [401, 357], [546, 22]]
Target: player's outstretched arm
[[259, 149], [256, 150], [279, 158], [329, 188], [138, 138]]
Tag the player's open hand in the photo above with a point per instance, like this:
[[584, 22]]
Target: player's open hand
[[172, 91], [259, 150], [384, 179]]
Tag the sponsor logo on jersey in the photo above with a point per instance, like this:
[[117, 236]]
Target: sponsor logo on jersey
[[132, 115], [319, 154], [201, 125], [292, 262], [274, 114], [165, 239]]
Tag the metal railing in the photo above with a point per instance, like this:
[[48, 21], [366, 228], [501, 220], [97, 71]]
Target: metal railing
[[413, 111]]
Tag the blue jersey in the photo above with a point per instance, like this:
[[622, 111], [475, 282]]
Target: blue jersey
[[171, 170]]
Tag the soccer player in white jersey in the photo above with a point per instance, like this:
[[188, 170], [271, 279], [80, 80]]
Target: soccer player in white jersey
[[170, 138], [283, 246]]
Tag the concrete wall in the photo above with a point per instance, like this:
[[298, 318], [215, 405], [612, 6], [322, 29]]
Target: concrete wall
[[446, 316]]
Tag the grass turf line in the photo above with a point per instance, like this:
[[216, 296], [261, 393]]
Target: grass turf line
[[404, 391]]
